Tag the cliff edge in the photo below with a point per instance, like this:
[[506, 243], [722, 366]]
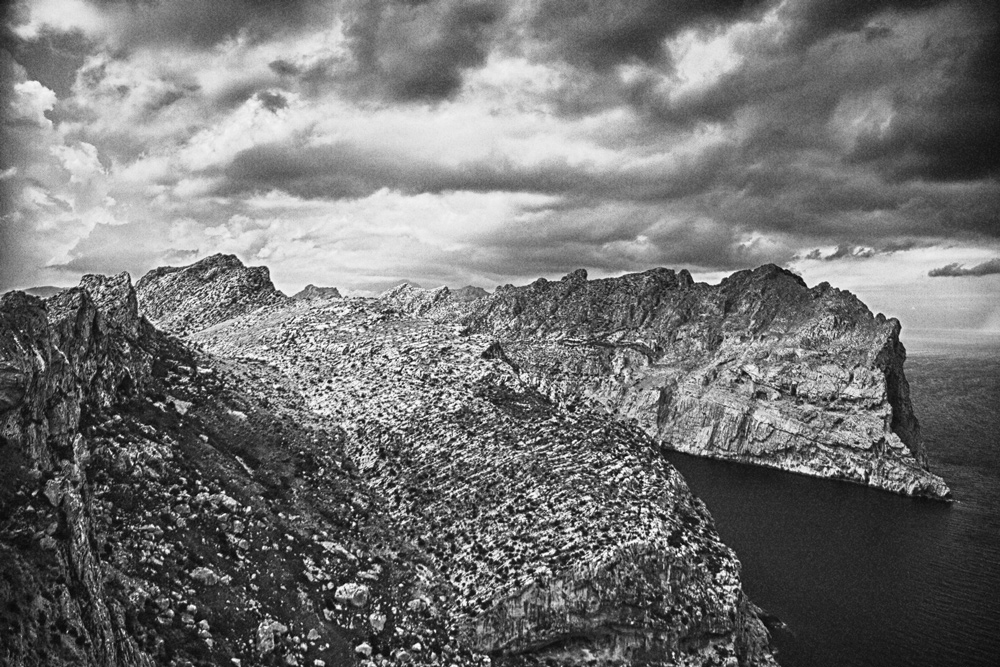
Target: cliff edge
[[759, 369]]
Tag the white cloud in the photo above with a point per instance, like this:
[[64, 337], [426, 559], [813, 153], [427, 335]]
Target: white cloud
[[31, 101]]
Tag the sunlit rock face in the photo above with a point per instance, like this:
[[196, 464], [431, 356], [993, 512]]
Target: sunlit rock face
[[759, 369], [189, 298]]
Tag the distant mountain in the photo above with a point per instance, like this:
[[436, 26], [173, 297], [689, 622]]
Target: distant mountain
[[44, 291], [313, 292], [189, 298], [469, 293]]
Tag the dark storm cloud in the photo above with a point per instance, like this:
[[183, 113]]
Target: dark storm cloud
[[53, 58], [987, 268], [611, 238], [602, 33], [203, 24], [347, 170], [272, 101], [812, 20], [948, 134], [418, 50]]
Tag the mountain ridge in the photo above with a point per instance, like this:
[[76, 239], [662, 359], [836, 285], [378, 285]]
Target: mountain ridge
[[759, 369], [329, 482]]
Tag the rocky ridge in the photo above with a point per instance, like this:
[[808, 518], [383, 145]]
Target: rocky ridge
[[161, 506], [549, 533], [314, 292], [759, 369], [189, 298]]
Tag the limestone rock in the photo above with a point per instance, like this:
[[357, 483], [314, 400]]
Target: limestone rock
[[189, 298]]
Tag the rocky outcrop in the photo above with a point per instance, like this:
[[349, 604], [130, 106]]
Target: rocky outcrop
[[759, 369], [84, 350], [414, 300], [185, 299], [549, 535], [313, 292]]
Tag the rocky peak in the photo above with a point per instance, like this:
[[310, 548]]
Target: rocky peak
[[215, 289], [313, 292], [468, 293]]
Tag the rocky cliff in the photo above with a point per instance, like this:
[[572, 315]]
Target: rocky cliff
[[160, 506], [82, 352], [189, 298], [759, 369]]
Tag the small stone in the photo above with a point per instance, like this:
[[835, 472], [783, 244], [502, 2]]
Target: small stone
[[356, 594], [268, 632], [377, 619], [53, 491], [205, 576]]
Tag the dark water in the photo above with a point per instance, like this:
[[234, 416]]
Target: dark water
[[863, 577]]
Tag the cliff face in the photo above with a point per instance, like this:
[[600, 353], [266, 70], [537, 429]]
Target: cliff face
[[190, 298], [760, 369], [84, 351]]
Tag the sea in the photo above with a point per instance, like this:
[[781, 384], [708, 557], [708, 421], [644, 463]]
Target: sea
[[866, 578]]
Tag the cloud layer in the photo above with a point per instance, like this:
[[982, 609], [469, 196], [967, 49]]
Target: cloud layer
[[987, 268], [361, 141]]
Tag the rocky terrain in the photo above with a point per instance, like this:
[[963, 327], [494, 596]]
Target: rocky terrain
[[759, 369], [212, 290], [330, 482]]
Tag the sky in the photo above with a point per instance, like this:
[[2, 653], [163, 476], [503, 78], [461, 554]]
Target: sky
[[357, 143]]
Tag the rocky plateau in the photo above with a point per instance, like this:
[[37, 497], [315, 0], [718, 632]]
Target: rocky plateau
[[199, 470]]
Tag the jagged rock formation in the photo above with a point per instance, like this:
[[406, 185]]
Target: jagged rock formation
[[158, 506], [189, 298], [760, 369], [313, 292], [82, 352]]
